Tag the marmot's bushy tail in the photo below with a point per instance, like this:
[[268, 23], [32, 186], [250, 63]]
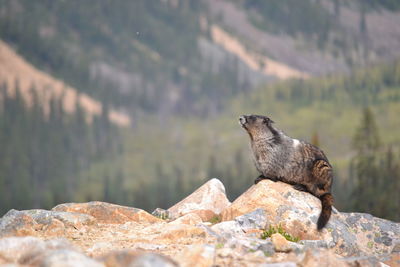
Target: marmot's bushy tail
[[327, 202]]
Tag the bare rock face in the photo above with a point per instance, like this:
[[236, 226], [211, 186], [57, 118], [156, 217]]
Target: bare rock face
[[29, 222], [102, 234], [190, 218], [198, 255], [280, 243], [207, 201], [136, 258], [33, 251], [108, 213], [349, 234]]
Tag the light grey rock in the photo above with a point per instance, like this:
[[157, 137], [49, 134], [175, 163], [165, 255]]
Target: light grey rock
[[348, 234], [248, 244], [129, 257], [25, 250], [256, 219], [68, 258], [16, 248], [280, 264], [13, 221], [315, 244], [228, 229], [210, 197], [26, 222], [152, 260], [367, 261], [67, 218]]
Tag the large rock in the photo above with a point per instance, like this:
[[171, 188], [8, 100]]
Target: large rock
[[190, 218], [16, 223], [29, 250], [172, 232], [108, 213], [198, 255], [297, 212], [280, 243], [102, 234], [30, 222], [68, 258], [135, 258], [207, 201]]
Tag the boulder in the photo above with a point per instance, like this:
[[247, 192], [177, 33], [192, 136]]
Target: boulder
[[207, 201], [108, 213], [67, 258], [197, 255], [17, 223], [350, 234], [172, 232], [123, 236], [29, 250], [30, 222], [190, 218], [256, 219], [135, 258], [280, 243], [322, 257], [228, 229]]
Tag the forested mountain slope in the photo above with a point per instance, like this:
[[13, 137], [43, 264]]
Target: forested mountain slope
[[17, 74], [173, 55]]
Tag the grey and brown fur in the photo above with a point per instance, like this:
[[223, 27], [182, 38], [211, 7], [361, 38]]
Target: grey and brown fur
[[279, 157]]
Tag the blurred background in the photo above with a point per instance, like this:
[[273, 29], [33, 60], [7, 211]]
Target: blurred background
[[137, 102]]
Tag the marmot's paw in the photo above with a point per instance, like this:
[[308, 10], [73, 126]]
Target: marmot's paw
[[300, 187]]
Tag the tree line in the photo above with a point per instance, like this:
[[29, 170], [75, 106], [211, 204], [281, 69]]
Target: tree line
[[42, 156]]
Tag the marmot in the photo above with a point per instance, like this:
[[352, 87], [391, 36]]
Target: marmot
[[279, 157]]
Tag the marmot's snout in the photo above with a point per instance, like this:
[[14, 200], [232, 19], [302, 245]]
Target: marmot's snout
[[242, 120]]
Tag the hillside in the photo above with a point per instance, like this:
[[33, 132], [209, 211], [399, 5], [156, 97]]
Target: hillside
[[15, 73], [173, 56]]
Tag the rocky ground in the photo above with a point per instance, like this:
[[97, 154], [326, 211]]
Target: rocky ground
[[204, 229]]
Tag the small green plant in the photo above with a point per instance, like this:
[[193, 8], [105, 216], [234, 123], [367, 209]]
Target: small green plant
[[219, 245], [163, 216], [273, 230], [370, 244], [215, 219], [267, 254]]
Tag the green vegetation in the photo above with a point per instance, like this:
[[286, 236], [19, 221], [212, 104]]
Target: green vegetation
[[163, 216], [374, 169], [273, 230], [370, 244], [219, 245], [215, 219], [42, 156]]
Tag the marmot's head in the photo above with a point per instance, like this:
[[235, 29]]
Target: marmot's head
[[257, 126]]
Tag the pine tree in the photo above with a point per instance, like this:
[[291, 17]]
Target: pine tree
[[366, 173]]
